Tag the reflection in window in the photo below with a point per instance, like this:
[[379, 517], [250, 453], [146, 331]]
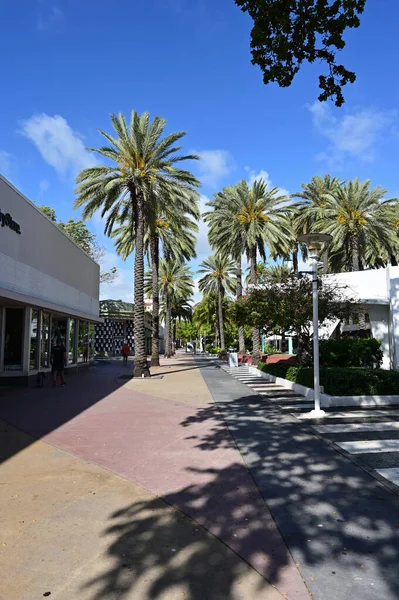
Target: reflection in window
[[34, 323], [71, 346], [13, 339], [91, 341], [83, 342], [58, 329], [45, 340]]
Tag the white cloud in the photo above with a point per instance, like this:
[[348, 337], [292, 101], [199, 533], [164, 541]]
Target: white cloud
[[197, 295], [6, 164], [60, 146], [214, 166], [50, 18], [43, 186], [354, 134], [262, 174]]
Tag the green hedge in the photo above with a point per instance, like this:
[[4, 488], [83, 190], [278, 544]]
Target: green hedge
[[350, 352], [340, 381]]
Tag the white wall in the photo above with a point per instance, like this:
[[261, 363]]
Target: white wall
[[379, 321], [42, 263]]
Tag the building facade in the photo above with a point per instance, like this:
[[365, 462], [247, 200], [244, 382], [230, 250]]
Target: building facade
[[49, 288], [377, 291], [117, 326]]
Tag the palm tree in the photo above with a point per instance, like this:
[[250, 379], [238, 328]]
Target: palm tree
[[360, 223], [304, 214], [361, 226], [205, 314], [142, 161], [181, 309], [253, 218], [223, 239], [175, 283], [218, 272], [168, 225]]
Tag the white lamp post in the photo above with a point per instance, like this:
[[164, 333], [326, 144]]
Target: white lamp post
[[315, 242]]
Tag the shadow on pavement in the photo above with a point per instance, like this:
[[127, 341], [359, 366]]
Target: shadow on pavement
[[38, 411], [340, 524], [155, 550]]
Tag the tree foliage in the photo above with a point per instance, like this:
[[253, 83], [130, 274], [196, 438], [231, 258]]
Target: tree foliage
[[286, 305], [141, 165], [287, 33]]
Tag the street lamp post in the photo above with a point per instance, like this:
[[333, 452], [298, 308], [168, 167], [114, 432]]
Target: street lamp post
[[315, 242]]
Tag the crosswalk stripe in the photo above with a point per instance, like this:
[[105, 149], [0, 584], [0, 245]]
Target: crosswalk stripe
[[366, 446], [390, 473], [357, 427], [356, 414]]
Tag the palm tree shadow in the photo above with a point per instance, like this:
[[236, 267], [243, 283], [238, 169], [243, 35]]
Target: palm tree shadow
[[333, 515], [156, 550]]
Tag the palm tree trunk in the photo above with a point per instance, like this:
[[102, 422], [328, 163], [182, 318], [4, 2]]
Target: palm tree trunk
[[154, 248], [241, 333], [255, 331], [355, 253], [140, 355], [295, 265], [220, 314], [174, 335], [168, 328]]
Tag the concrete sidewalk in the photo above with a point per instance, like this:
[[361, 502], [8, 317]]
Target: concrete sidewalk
[[341, 525], [88, 510]]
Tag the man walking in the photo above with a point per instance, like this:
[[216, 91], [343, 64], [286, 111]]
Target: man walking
[[125, 352], [58, 360]]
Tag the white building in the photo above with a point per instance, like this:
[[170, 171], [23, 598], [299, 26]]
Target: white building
[[378, 291], [49, 288]]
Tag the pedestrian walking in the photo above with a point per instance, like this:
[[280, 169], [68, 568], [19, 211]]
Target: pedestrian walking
[[58, 360], [125, 351]]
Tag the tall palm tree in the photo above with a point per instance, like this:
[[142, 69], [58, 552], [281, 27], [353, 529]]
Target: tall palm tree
[[181, 309], [361, 226], [305, 213], [168, 226], [175, 282], [225, 240], [217, 277], [360, 223], [254, 218], [142, 160]]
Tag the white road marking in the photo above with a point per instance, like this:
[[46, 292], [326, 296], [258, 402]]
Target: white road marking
[[392, 474], [365, 446], [357, 427]]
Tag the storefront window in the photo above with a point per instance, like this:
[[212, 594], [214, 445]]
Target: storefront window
[[33, 339], [71, 347], [91, 341], [58, 330], [45, 340], [13, 339], [83, 342]]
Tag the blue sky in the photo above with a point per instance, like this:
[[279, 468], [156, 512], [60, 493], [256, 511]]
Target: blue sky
[[67, 64]]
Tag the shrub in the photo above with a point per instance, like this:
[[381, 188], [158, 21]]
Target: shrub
[[213, 349], [269, 349], [350, 352], [340, 381]]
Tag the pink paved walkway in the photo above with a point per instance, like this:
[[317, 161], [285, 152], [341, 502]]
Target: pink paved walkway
[[156, 443]]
